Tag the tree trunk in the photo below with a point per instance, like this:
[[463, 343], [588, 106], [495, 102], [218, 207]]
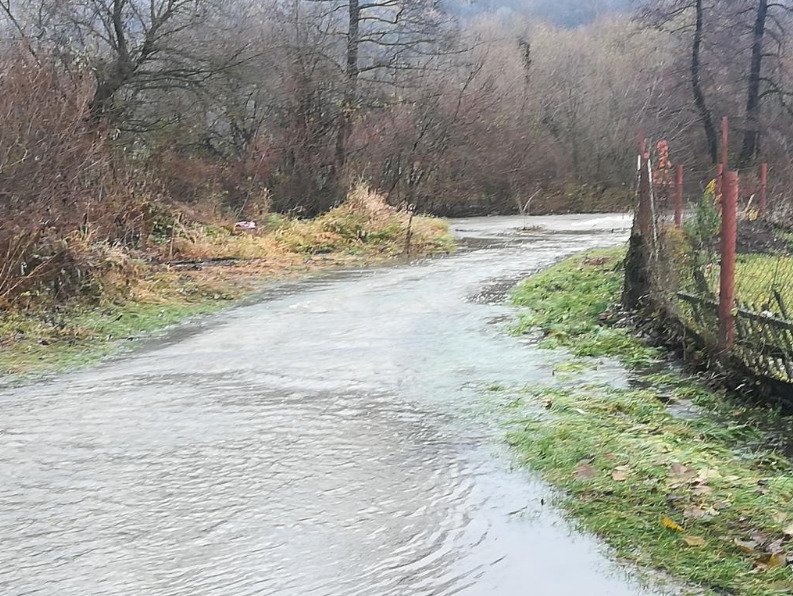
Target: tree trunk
[[107, 86], [751, 136], [636, 288], [696, 85], [351, 84]]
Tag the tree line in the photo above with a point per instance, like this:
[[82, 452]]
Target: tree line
[[112, 107]]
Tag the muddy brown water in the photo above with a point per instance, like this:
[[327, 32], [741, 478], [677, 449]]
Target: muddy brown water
[[331, 438]]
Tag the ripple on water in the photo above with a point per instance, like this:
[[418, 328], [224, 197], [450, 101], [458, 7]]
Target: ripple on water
[[318, 443], [250, 508]]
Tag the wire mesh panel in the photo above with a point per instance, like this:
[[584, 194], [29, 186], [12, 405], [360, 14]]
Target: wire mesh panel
[[685, 266]]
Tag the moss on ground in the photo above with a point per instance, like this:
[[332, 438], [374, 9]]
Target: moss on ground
[[708, 499]]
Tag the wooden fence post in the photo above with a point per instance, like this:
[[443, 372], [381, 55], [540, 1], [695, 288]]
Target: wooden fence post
[[637, 276], [763, 198], [729, 233], [679, 196], [724, 164], [645, 213]]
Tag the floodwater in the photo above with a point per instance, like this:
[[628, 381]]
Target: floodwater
[[332, 438]]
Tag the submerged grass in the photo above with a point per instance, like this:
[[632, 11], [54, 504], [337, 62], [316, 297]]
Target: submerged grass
[[82, 336], [707, 499], [74, 334]]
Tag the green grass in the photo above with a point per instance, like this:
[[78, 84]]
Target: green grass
[[708, 500], [566, 300], [757, 275], [80, 336], [647, 465]]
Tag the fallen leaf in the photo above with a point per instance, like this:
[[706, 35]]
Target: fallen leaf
[[720, 505], [668, 522], [694, 540], [682, 472], [788, 531], [771, 561], [706, 474], [694, 513], [584, 471], [701, 489], [760, 537], [775, 547], [780, 517], [619, 475], [747, 546]]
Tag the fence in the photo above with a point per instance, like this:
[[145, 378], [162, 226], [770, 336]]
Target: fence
[[714, 261]]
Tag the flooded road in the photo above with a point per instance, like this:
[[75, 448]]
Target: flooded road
[[331, 439]]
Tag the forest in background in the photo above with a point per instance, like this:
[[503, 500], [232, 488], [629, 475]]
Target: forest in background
[[122, 118]]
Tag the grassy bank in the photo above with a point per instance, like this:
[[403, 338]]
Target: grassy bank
[[197, 269], [706, 498]]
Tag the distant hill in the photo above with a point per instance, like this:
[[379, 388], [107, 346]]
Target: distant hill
[[566, 13]]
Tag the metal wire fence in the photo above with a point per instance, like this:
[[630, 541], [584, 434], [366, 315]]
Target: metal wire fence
[[714, 262]]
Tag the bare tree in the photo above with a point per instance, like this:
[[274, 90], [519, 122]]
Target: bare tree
[[771, 21], [382, 38], [130, 45], [687, 18]]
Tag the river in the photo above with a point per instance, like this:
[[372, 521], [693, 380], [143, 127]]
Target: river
[[329, 438]]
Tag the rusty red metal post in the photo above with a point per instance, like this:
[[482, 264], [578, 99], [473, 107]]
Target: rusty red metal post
[[679, 196], [763, 194], [729, 233]]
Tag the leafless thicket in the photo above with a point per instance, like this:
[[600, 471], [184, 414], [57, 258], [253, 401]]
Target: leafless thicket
[[113, 109]]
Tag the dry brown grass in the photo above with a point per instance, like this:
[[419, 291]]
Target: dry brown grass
[[363, 229]]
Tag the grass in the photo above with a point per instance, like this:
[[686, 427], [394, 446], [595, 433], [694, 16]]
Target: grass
[[76, 333], [757, 275], [128, 297], [566, 301], [708, 500], [82, 336]]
